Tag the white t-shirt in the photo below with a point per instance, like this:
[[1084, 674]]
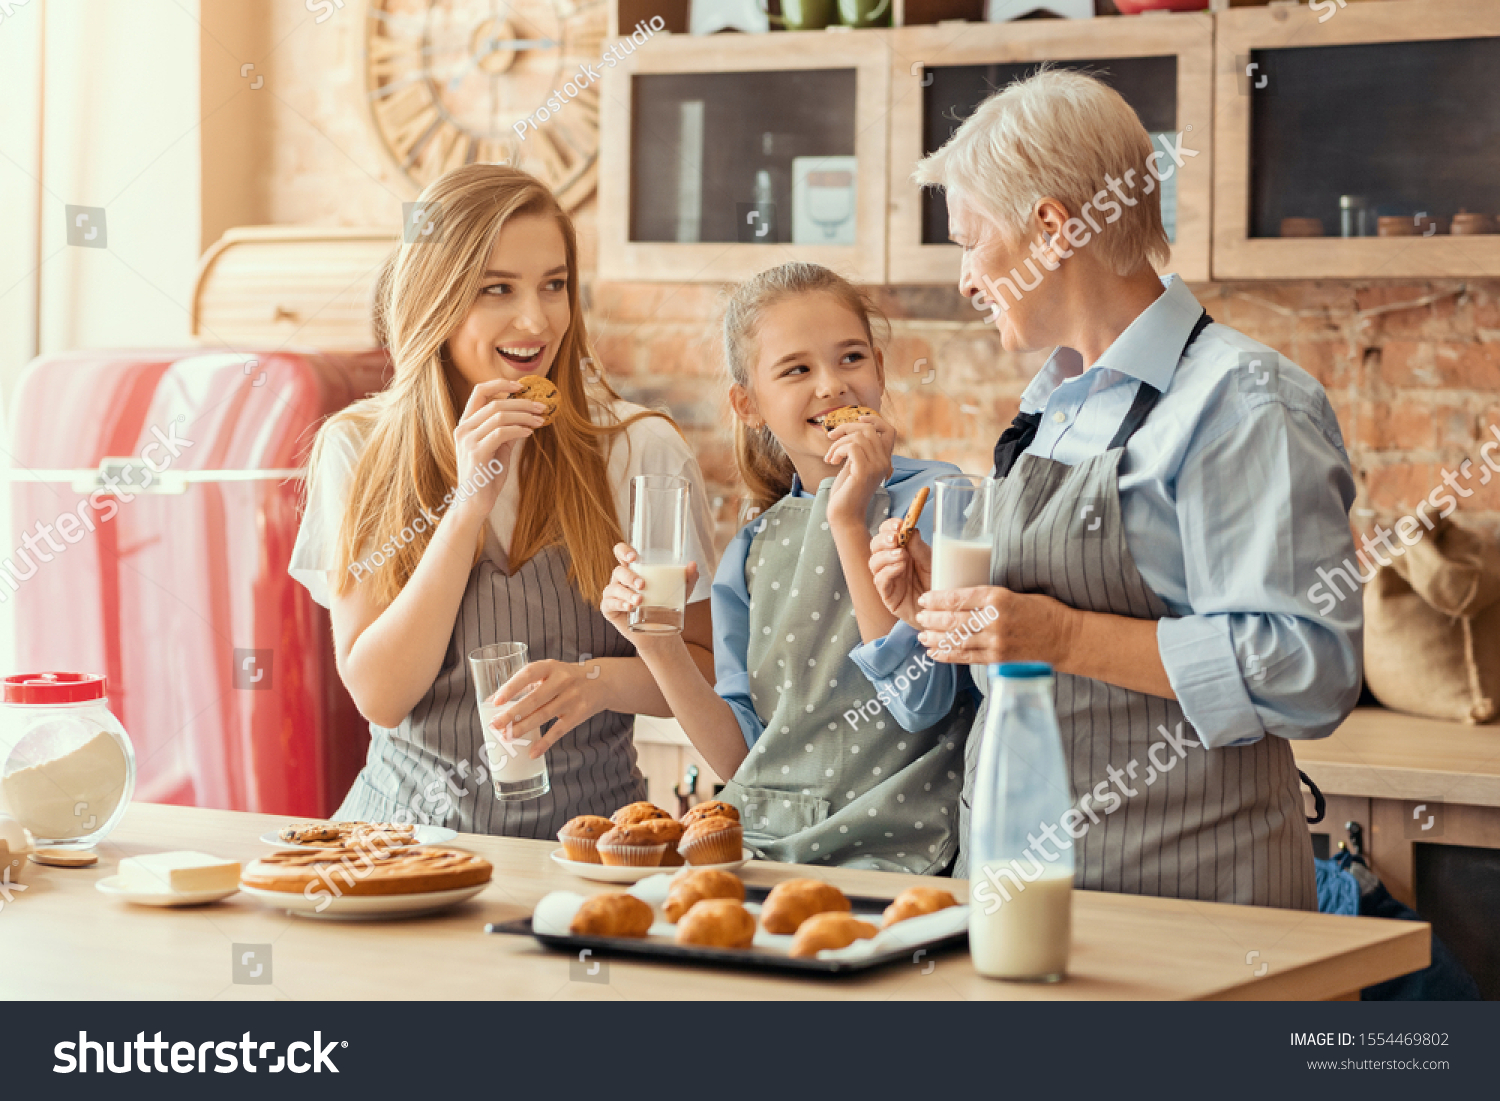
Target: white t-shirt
[[650, 446]]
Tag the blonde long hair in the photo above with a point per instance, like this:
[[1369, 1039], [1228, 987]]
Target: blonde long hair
[[763, 466], [409, 462]]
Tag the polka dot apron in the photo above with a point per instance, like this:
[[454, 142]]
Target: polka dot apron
[[817, 786]]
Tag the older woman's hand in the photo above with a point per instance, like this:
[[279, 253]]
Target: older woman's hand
[[985, 624], [901, 573]]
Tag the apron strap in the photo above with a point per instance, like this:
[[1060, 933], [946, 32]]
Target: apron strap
[[1320, 804], [1022, 431]]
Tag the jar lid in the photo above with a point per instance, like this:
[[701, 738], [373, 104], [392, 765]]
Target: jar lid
[[33, 688]]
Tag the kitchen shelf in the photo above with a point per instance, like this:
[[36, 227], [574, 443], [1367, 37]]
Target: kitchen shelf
[[689, 124], [1161, 64], [1392, 100]]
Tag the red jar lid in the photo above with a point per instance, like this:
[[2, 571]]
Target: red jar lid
[[54, 687]]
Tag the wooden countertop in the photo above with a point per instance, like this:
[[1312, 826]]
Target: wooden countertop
[[81, 944], [1383, 754]]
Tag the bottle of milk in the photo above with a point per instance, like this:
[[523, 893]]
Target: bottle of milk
[[1020, 856]]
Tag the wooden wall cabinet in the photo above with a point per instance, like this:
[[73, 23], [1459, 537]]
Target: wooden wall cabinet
[[761, 101], [1391, 100], [1162, 64]]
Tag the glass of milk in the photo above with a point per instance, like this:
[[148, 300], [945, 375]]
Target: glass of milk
[[1021, 890], [658, 533], [516, 776], [962, 533]]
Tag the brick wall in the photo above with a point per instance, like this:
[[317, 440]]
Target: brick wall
[[1412, 370]]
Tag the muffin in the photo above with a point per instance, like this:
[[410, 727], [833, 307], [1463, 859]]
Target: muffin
[[714, 808], [712, 840], [580, 837], [793, 901], [717, 923], [692, 887], [828, 930], [846, 415], [916, 902], [669, 833], [613, 915], [540, 388], [635, 813], [628, 846]]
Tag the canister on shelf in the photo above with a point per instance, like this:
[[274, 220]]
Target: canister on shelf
[[1302, 227], [1355, 217]]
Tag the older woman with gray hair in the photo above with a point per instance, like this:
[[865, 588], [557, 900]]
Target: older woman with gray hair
[[1164, 502]]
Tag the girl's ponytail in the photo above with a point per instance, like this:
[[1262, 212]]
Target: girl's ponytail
[[763, 466]]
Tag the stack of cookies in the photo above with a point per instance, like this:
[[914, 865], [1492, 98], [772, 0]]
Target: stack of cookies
[[643, 835]]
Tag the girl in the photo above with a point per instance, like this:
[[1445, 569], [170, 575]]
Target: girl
[[843, 740], [423, 552]]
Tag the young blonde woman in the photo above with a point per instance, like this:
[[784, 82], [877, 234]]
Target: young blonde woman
[[418, 574]]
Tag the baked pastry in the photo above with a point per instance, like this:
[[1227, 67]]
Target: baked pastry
[[913, 514], [632, 813], [341, 834], [367, 871], [848, 413], [629, 846], [713, 840], [717, 923], [540, 388], [829, 930], [793, 901], [714, 808], [916, 902], [692, 887], [669, 832], [615, 915], [580, 836]]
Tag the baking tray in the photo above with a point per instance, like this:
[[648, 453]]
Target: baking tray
[[744, 959]]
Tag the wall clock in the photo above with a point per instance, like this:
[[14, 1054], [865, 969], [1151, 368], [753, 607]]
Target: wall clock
[[448, 79]]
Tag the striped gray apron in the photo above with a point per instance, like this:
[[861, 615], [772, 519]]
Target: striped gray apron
[[1220, 825], [819, 786], [430, 769]]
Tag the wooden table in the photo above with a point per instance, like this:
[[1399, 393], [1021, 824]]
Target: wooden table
[[1381, 766], [78, 943]]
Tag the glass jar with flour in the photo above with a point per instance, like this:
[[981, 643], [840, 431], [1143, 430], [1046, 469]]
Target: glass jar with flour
[[67, 768]]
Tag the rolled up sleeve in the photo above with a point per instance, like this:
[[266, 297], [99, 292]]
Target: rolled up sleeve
[[730, 607], [930, 686], [1261, 508]]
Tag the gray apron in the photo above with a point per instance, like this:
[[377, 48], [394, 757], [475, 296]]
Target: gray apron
[[814, 788], [1220, 825], [430, 769]]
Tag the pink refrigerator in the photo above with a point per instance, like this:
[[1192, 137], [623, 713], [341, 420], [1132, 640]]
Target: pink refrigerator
[[155, 498]]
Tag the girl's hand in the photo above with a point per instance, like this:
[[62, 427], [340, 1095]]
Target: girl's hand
[[902, 574], [623, 593], [491, 423], [546, 690], [863, 448], [1014, 626]]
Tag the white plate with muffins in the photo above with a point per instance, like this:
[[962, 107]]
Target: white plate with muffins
[[641, 839]]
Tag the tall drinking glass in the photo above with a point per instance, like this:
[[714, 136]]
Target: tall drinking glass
[[515, 774], [658, 532], [963, 532]]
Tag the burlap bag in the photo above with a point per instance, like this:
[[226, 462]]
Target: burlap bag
[[1432, 627]]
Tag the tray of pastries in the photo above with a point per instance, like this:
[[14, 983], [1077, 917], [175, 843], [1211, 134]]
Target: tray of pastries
[[706, 915]]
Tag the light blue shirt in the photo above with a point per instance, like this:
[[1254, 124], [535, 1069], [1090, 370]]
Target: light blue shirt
[[927, 697], [1234, 491]]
